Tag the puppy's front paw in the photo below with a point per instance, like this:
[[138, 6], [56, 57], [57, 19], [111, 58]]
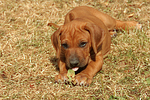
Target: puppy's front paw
[[83, 79], [61, 77]]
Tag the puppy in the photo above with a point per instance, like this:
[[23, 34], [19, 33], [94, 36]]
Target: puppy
[[83, 41]]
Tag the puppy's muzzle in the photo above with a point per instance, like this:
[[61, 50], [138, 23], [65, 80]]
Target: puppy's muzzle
[[74, 62]]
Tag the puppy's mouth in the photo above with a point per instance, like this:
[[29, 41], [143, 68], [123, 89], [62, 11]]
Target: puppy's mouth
[[75, 69]]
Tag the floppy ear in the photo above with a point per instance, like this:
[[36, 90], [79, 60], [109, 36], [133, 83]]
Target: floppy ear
[[97, 35], [69, 17], [55, 39]]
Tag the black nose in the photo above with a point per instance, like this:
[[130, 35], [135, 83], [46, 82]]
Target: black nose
[[74, 62]]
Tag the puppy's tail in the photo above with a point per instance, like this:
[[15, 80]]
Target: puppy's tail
[[126, 25], [53, 25]]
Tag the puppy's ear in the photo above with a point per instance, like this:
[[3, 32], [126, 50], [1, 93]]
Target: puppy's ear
[[97, 35], [55, 39], [69, 17]]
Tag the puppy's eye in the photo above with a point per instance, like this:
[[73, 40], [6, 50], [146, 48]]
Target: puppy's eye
[[65, 45], [83, 44]]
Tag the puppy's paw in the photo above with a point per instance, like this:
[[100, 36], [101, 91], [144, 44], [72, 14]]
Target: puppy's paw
[[83, 79], [61, 77]]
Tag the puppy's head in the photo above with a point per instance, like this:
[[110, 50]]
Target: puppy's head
[[75, 41]]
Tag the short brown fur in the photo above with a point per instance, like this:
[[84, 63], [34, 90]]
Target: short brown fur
[[83, 41]]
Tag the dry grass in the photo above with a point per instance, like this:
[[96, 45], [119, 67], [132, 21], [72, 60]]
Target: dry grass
[[27, 58]]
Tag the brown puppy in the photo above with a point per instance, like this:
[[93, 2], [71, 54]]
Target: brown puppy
[[82, 42]]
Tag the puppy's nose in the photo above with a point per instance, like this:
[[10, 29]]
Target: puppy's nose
[[74, 62]]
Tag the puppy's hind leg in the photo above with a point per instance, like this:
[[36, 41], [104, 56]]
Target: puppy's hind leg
[[126, 25], [113, 33]]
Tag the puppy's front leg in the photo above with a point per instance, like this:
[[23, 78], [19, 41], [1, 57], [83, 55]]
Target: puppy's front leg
[[85, 77], [62, 76]]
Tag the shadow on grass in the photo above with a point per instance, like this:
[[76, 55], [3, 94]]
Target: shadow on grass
[[54, 60]]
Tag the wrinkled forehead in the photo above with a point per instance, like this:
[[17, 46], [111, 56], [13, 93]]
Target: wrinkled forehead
[[74, 34]]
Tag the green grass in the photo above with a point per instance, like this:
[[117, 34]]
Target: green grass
[[28, 63]]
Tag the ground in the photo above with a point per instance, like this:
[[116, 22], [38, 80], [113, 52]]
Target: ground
[[28, 60]]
